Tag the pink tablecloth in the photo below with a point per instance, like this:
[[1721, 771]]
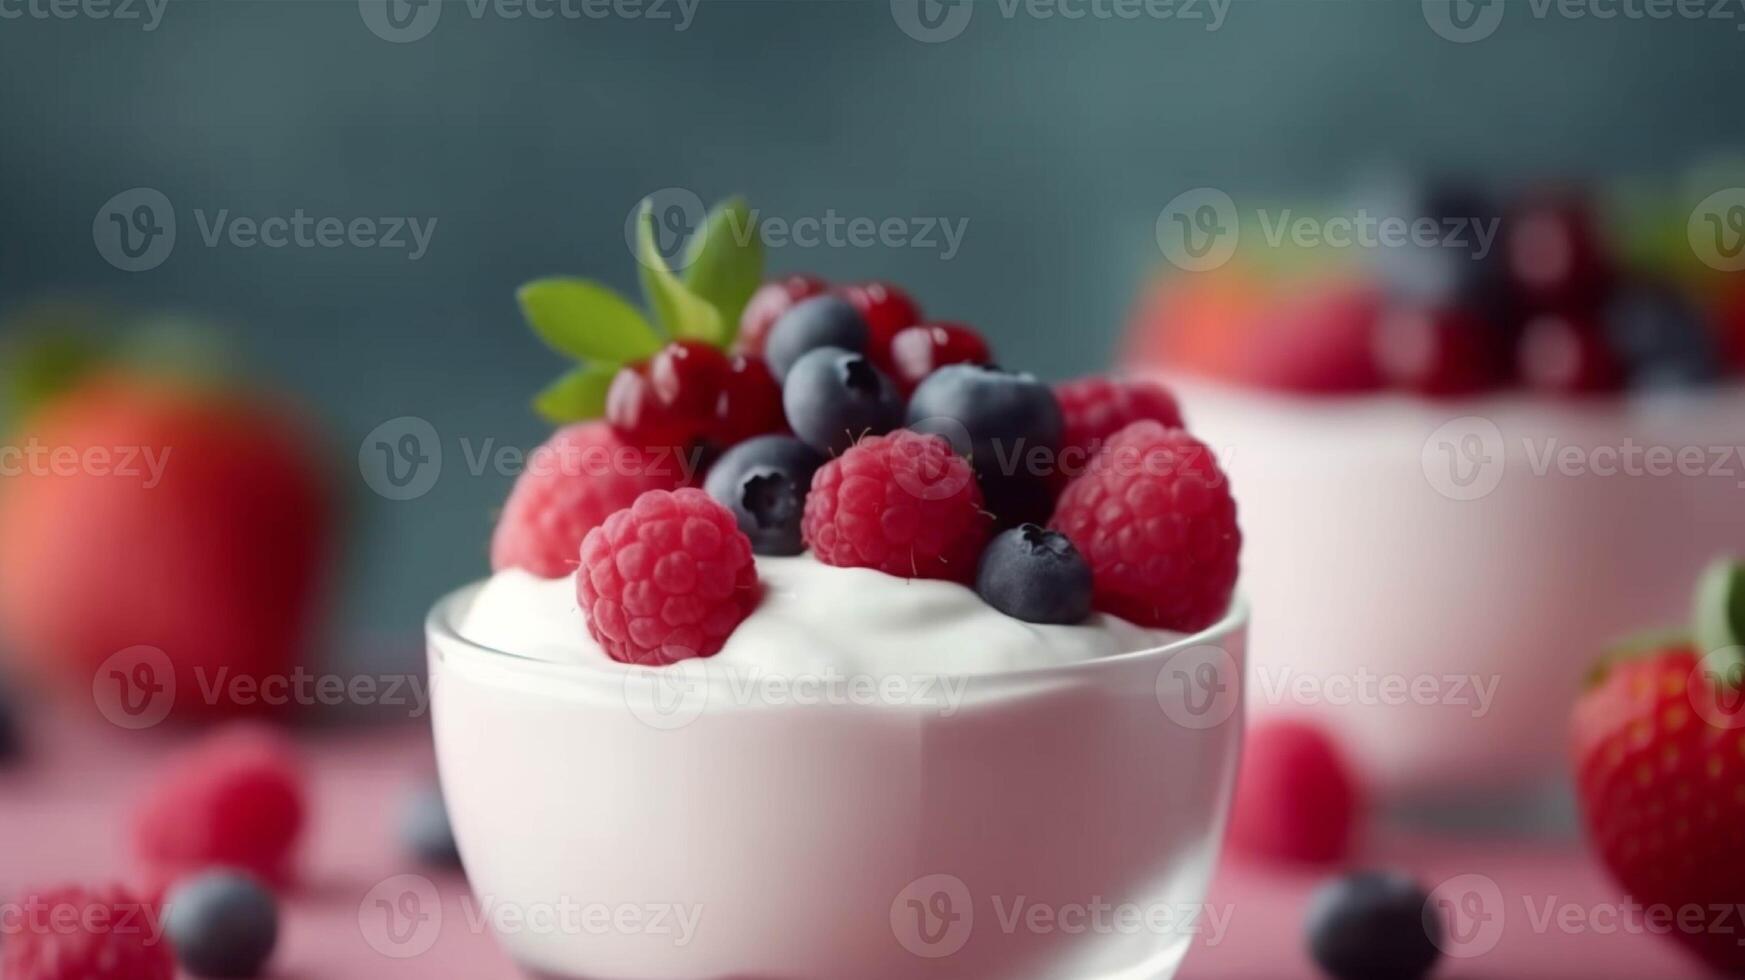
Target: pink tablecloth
[[1544, 909]]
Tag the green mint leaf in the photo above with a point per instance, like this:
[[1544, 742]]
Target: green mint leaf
[[724, 261], [587, 321], [577, 396], [681, 311], [1718, 619]]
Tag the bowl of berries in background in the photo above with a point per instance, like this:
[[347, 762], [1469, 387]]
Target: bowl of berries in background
[[853, 628], [1464, 459]]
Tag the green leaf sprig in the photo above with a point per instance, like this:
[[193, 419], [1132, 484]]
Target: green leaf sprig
[[602, 331]]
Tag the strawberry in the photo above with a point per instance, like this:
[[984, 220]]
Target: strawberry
[[166, 514], [1659, 755]]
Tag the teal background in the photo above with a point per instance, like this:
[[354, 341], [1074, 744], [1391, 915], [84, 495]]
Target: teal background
[[529, 142]]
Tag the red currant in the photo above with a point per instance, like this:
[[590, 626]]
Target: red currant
[[771, 300], [1567, 355], [668, 400], [1439, 351], [748, 404], [920, 350], [1555, 256], [886, 309]]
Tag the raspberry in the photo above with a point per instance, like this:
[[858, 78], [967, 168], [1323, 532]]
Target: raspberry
[[1154, 516], [1297, 798], [918, 351], [582, 474], [1097, 408], [237, 800], [904, 504], [666, 579], [72, 933]]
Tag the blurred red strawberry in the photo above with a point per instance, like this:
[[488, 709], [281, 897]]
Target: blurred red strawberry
[[144, 511], [1659, 754]]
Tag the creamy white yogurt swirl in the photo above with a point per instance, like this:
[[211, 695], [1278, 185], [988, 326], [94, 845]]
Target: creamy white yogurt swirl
[[815, 619]]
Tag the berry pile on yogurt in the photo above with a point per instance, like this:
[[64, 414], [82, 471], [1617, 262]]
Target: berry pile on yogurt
[[838, 481]]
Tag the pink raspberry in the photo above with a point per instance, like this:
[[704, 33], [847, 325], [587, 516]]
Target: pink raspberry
[[73, 933], [1154, 516], [578, 478], [902, 503], [237, 799], [1097, 407], [1297, 798], [667, 579]]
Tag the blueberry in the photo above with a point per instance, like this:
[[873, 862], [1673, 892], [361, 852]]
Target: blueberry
[[222, 924], [835, 396], [1661, 338], [1373, 925], [1007, 423], [822, 321], [425, 829], [763, 481], [1034, 574]]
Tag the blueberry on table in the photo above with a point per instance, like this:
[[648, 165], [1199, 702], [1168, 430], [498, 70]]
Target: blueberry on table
[[763, 481], [822, 321], [1373, 925], [222, 924], [1034, 574], [833, 397], [426, 830]]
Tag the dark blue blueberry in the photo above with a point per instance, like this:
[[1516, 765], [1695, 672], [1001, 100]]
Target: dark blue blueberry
[[1034, 574], [763, 481], [822, 321], [1661, 338], [425, 829], [833, 397], [1373, 925], [222, 924], [1008, 424]]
